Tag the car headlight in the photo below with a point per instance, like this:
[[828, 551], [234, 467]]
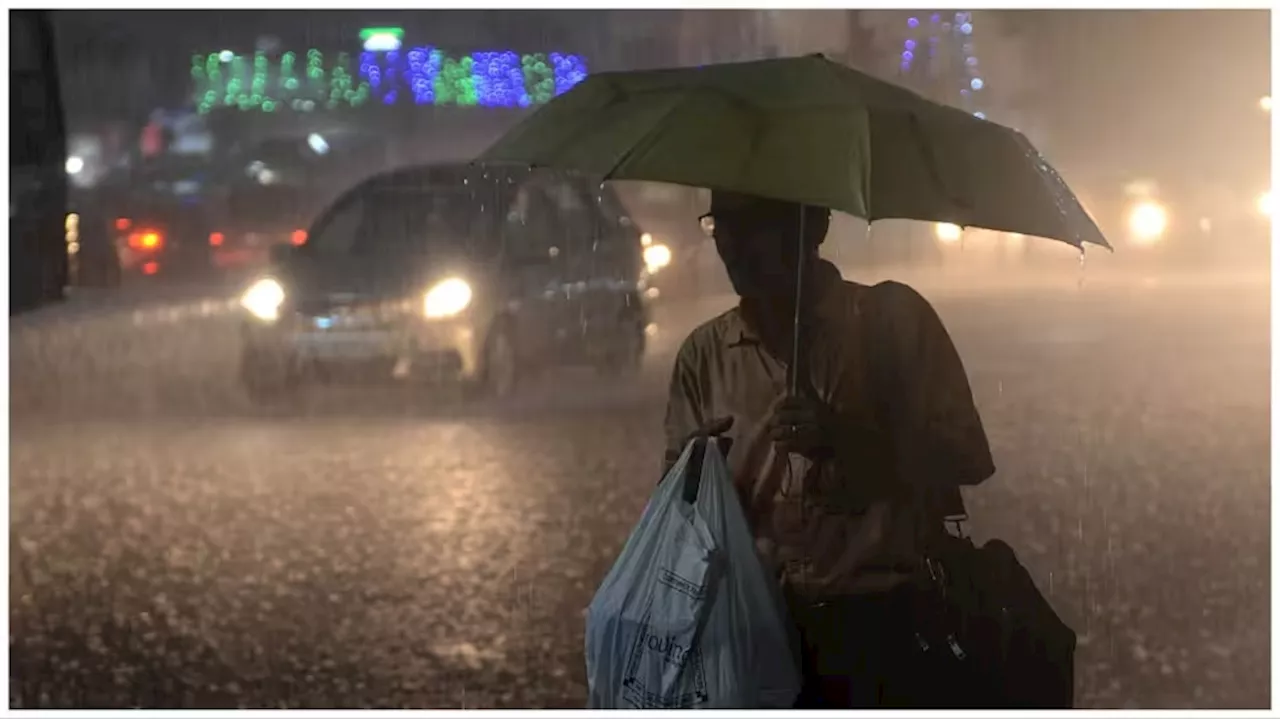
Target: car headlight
[[448, 298], [1264, 204], [1147, 222], [656, 257], [263, 299]]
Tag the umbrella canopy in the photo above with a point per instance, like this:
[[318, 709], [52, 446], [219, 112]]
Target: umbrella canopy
[[805, 130]]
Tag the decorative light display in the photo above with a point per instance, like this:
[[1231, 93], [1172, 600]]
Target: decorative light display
[[421, 75], [956, 33]]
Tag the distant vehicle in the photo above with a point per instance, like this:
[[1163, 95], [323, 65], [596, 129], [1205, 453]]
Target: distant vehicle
[[451, 274], [154, 236], [256, 220]]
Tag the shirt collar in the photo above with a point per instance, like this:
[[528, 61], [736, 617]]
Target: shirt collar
[[822, 280]]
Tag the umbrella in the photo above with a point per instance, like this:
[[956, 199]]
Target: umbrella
[[804, 130]]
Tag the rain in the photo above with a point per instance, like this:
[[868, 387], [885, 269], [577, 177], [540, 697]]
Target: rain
[[193, 527]]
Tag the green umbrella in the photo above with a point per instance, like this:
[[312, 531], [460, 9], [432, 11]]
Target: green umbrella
[[807, 130]]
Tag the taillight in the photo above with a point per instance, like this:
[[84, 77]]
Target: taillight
[[148, 240], [299, 238], [150, 268], [123, 223], [216, 239]]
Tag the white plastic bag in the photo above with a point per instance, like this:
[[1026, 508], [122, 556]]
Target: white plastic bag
[[688, 617]]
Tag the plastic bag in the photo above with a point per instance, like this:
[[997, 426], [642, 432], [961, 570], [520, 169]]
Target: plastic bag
[[688, 617]]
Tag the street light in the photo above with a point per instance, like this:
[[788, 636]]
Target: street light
[[947, 232]]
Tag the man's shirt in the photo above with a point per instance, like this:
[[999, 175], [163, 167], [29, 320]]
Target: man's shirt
[[849, 523]]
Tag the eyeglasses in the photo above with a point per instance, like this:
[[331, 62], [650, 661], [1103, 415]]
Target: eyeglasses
[[708, 221], [708, 224]]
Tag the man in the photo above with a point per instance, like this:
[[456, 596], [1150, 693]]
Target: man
[[844, 482]]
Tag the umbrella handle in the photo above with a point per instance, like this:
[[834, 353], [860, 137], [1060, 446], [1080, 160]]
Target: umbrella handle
[[794, 377]]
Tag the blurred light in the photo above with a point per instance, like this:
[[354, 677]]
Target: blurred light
[[1206, 225], [123, 223], [266, 177], [971, 61], [708, 224], [656, 257], [980, 115], [72, 222], [147, 240], [381, 39], [1265, 103], [913, 22], [382, 43], [226, 56], [909, 44], [907, 56], [1264, 203], [150, 268], [74, 165], [948, 232], [1016, 239], [935, 18], [263, 299], [1147, 222], [976, 83], [646, 239], [966, 29], [446, 299], [216, 239], [317, 144], [298, 238]]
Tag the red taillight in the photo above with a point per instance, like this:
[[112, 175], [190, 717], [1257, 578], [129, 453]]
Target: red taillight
[[150, 268], [216, 239], [123, 223], [298, 238], [148, 240]]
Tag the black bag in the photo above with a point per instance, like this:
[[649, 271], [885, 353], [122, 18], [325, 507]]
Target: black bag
[[993, 639], [987, 637]]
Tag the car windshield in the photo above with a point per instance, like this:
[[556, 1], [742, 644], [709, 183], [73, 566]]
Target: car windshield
[[258, 206], [392, 220]]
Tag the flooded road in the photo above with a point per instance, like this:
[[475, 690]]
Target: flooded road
[[171, 545]]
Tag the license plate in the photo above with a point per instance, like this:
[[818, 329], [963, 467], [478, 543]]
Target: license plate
[[343, 345]]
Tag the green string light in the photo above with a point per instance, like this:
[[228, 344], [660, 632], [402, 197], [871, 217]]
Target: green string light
[[539, 78]]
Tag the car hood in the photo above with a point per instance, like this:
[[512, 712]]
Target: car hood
[[328, 283]]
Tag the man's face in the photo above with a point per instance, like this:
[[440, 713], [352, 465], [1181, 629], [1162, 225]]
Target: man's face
[[759, 245]]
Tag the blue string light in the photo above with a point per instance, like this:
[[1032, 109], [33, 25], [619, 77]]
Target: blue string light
[[499, 80], [569, 71]]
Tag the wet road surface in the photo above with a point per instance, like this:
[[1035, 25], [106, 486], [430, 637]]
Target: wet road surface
[[173, 546]]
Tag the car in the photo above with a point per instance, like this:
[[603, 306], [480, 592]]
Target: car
[[461, 274], [255, 220]]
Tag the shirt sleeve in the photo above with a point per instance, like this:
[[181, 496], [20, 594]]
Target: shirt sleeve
[[684, 403], [938, 437]]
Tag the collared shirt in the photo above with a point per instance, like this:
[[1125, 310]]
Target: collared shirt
[[850, 523]]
